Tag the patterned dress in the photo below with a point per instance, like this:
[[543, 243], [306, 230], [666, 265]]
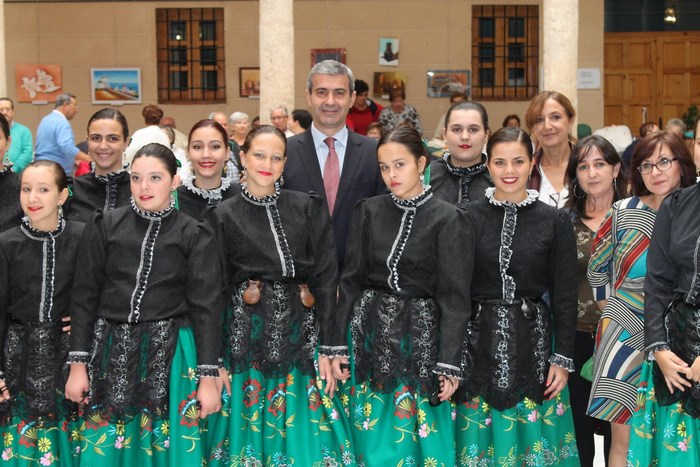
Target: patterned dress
[[522, 251], [278, 413], [403, 293], [616, 273], [665, 427]]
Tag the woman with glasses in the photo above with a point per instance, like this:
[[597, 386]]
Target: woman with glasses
[[550, 119], [668, 414], [661, 164]]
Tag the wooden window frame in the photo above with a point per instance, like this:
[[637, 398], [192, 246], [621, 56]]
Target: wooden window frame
[[189, 57], [514, 76]]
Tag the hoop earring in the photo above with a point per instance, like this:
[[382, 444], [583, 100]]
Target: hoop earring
[[615, 186], [281, 180], [60, 211], [421, 177], [577, 195]]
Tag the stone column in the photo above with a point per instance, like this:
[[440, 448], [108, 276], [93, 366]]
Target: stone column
[[3, 64], [560, 50], [276, 55]]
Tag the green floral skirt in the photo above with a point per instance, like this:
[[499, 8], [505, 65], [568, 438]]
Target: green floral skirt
[[35, 443], [527, 434], [400, 428], [661, 435], [142, 440], [279, 422]]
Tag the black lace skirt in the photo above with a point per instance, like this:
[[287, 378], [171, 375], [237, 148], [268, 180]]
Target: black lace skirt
[[683, 328], [395, 340], [130, 367], [274, 335], [507, 353], [36, 372]]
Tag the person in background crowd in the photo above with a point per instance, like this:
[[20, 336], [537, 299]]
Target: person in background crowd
[[677, 126], [10, 210], [661, 163], [399, 113], [374, 130], [54, 136], [151, 133], [180, 137], [550, 118], [648, 128], [21, 151], [596, 180], [364, 111], [279, 116], [511, 120], [255, 121], [301, 121]]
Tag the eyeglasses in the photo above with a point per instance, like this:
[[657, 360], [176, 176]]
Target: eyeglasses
[[663, 165]]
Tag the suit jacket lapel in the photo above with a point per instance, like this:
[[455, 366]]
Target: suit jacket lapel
[[350, 166], [309, 160]]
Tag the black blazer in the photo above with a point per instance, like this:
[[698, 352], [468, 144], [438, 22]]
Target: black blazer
[[359, 179]]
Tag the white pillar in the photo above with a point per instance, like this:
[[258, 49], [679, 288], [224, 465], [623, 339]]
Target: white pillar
[[276, 55], [560, 50]]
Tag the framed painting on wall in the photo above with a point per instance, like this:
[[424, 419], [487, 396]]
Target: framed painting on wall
[[37, 83], [444, 83], [388, 51], [319, 55], [115, 86], [387, 81], [249, 79]]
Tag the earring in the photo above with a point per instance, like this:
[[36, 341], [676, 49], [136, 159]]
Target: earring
[[421, 177], [225, 168], [577, 195], [529, 176], [615, 185], [281, 180], [60, 211]]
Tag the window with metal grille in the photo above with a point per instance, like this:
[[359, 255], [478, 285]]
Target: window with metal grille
[[505, 52], [190, 55]]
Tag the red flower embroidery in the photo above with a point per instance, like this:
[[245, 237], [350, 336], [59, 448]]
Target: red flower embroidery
[[95, 420], [314, 395], [251, 391], [405, 403], [278, 400], [189, 412]]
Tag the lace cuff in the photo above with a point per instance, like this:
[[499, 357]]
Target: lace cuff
[[650, 350], [208, 371], [562, 361], [448, 370], [78, 357], [333, 351]]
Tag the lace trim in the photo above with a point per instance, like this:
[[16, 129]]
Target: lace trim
[[409, 207], [334, 351], [465, 174], [207, 371], [78, 357], [144, 270], [692, 296], [531, 198], [153, 215], [651, 349], [213, 196], [110, 182], [48, 264], [263, 201], [563, 362], [448, 370]]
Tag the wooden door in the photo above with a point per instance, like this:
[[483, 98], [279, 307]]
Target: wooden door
[[659, 71]]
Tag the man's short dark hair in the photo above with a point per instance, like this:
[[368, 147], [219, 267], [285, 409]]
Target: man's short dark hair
[[361, 86], [303, 117]]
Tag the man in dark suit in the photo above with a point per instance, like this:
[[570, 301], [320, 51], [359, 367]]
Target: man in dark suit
[[329, 159]]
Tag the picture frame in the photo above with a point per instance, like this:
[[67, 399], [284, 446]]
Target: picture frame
[[443, 83], [115, 86], [319, 55], [387, 81], [249, 82], [38, 82], [388, 51]]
